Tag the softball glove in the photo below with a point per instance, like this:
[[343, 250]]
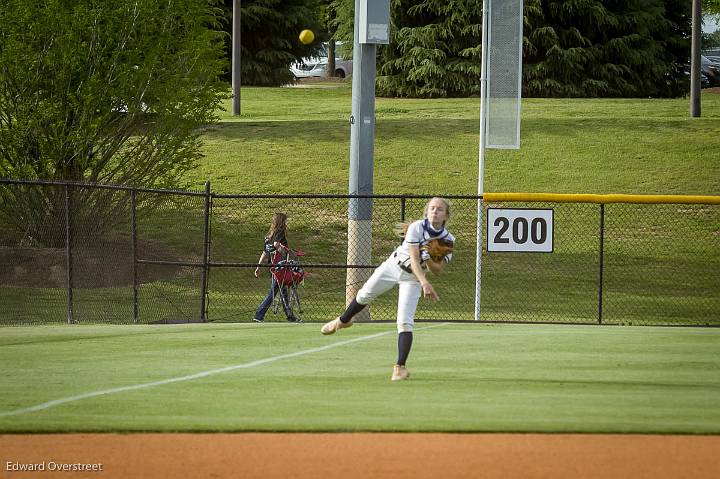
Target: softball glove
[[438, 248]]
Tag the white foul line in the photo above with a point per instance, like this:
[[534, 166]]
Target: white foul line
[[211, 372]]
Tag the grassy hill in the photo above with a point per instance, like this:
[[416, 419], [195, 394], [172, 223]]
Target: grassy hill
[[287, 136]]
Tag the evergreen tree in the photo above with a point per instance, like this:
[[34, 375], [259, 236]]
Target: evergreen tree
[[269, 37], [571, 47], [434, 50], [711, 7], [605, 48]]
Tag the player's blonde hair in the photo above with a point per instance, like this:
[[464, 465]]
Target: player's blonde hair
[[444, 202]]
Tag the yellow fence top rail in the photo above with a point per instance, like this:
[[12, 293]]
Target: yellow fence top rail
[[613, 198]]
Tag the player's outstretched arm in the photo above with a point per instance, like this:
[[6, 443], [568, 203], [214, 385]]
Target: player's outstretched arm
[[428, 290]]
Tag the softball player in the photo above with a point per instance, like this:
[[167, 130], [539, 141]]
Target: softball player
[[406, 267]]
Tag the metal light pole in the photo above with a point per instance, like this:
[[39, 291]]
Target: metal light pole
[[236, 57], [695, 59], [372, 24]]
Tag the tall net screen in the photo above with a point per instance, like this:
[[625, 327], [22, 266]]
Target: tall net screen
[[504, 73]]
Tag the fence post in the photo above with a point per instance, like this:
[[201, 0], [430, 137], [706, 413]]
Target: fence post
[[68, 255], [602, 260], [403, 200], [206, 254], [133, 227]]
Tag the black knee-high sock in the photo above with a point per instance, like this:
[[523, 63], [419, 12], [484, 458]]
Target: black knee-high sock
[[404, 344], [353, 308]]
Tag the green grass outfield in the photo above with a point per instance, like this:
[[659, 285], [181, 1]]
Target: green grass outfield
[[284, 377]]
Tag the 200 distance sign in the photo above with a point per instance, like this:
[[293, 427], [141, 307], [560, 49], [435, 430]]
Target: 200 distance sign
[[519, 230]]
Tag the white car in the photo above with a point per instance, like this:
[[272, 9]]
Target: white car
[[317, 66]]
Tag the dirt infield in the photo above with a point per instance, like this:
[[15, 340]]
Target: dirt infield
[[360, 455]]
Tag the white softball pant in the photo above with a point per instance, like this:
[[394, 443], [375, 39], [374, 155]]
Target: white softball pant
[[384, 278]]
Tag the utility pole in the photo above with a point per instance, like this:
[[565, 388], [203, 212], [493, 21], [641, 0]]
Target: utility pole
[[236, 57], [695, 59]]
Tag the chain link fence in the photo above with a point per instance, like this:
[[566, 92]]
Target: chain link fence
[[104, 254]]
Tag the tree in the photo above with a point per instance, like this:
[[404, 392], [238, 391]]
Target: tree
[[571, 47], [711, 7], [434, 51], [711, 40], [110, 92], [269, 37], [606, 48]]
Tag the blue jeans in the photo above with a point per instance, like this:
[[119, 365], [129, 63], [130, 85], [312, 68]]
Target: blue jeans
[[265, 305]]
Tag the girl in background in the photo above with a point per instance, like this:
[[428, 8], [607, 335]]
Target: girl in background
[[274, 249]]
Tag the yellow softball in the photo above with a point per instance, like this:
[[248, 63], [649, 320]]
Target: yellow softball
[[307, 37]]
